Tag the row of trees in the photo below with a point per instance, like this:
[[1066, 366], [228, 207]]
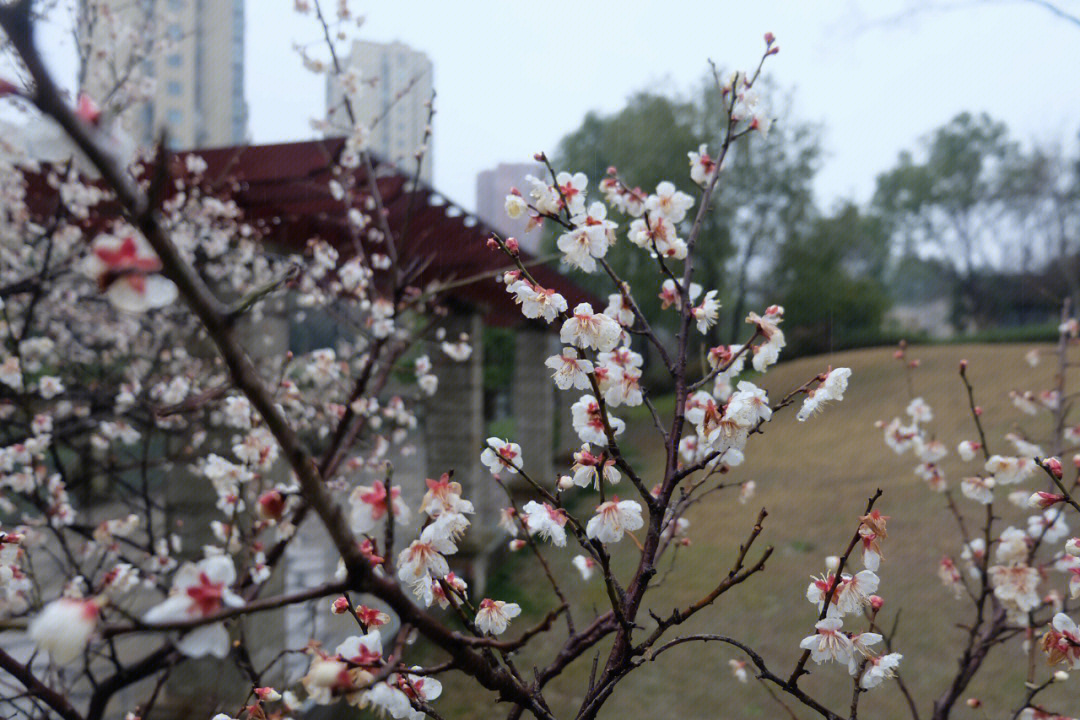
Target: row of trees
[[969, 212]]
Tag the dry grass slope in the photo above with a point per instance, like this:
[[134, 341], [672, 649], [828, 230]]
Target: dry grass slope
[[814, 478]]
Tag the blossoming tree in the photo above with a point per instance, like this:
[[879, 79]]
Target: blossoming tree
[[123, 360]]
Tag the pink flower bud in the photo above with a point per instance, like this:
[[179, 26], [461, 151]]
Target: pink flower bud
[[914, 364], [516, 544], [1043, 500], [611, 170], [769, 38], [978, 410], [898, 354], [512, 246], [267, 694], [876, 602], [271, 505], [539, 157], [87, 110], [963, 365], [340, 606], [974, 702], [1054, 466], [492, 244]]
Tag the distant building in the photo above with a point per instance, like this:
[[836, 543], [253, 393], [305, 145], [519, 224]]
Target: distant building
[[393, 85], [195, 57], [492, 187]]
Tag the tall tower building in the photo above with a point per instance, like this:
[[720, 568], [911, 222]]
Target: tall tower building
[[393, 85], [191, 50]]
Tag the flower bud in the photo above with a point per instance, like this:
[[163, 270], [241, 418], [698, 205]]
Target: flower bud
[[877, 602], [1061, 676], [1042, 500], [963, 365], [974, 702], [340, 606], [831, 563], [565, 482], [769, 38], [271, 505], [612, 170], [267, 694], [516, 544], [87, 110], [1072, 546], [492, 244], [1054, 466], [539, 157], [978, 410], [512, 246]]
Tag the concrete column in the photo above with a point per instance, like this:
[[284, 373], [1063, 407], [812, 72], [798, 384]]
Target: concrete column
[[455, 434], [567, 440], [533, 401]]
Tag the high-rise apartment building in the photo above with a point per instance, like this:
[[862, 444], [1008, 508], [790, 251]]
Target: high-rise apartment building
[[492, 187], [393, 85], [192, 50]]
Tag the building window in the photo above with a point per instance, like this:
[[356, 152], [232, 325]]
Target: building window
[[174, 60], [176, 4], [174, 116], [174, 88], [175, 32]]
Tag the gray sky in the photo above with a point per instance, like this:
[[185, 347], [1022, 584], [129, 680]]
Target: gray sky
[[512, 77]]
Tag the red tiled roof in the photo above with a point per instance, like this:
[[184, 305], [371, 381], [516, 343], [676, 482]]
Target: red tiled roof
[[285, 189]]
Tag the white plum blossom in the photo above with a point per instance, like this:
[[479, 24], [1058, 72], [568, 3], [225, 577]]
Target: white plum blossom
[[536, 302], [370, 504], [831, 389], [126, 270], [63, 628], [500, 455], [571, 371], [979, 489], [494, 616], [669, 203], [589, 421], [920, 411], [546, 521], [200, 590], [614, 518], [702, 167], [829, 643], [879, 668], [586, 329], [767, 325], [585, 565]]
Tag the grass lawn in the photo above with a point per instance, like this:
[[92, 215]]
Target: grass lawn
[[814, 479]]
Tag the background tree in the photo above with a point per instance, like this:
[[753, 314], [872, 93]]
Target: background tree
[[832, 281], [951, 204]]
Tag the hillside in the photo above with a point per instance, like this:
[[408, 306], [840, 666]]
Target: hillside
[[814, 478]]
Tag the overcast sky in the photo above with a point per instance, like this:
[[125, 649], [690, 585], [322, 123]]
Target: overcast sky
[[512, 77]]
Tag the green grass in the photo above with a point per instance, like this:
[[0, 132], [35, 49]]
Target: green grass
[[813, 478]]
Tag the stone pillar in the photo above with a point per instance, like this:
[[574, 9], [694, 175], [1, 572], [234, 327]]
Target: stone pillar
[[533, 401], [455, 434], [567, 440]]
